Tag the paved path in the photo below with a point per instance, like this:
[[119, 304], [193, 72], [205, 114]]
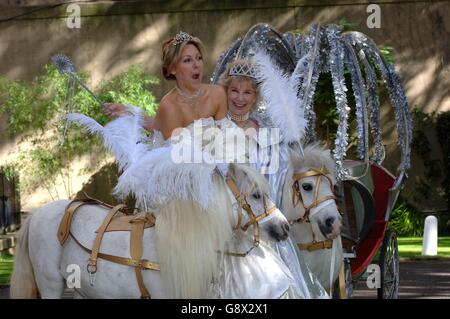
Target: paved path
[[423, 279], [419, 279]]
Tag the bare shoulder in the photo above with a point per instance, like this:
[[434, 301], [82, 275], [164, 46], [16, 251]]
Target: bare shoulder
[[168, 116], [166, 107], [219, 96], [217, 90]]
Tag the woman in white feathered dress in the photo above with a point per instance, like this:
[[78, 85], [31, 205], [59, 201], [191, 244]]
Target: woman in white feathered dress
[[271, 158]]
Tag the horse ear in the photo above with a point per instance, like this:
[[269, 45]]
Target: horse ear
[[234, 169]]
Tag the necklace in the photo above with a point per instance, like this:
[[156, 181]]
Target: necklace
[[239, 118], [191, 99]]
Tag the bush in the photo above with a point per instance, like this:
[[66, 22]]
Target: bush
[[34, 109], [443, 132], [406, 221]]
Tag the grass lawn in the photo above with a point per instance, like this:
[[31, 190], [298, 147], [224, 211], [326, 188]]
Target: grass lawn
[[411, 247], [6, 265]]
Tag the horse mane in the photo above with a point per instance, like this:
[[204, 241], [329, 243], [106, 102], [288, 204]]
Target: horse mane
[[316, 156], [188, 238], [255, 180]]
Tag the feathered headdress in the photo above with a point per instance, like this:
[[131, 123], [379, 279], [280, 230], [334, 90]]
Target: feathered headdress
[[279, 92]]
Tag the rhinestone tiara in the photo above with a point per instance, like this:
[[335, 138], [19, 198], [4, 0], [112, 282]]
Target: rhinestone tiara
[[181, 37], [245, 69]]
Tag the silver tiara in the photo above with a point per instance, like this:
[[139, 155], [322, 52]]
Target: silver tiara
[[245, 69], [182, 37]]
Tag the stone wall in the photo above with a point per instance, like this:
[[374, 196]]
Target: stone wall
[[117, 34]]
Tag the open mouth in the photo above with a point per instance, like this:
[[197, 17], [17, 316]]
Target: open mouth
[[196, 76]]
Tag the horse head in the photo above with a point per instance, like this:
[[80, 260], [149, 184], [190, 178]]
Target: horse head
[[255, 208], [308, 194]]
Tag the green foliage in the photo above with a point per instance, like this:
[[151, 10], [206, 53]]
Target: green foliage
[[6, 266], [130, 88], [406, 221], [34, 112], [443, 132], [324, 100]]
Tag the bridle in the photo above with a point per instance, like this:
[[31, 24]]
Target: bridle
[[297, 198], [253, 220], [297, 194]]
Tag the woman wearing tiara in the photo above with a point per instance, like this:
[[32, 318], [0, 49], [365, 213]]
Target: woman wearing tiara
[[190, 99], [240, 81], [188, 104]]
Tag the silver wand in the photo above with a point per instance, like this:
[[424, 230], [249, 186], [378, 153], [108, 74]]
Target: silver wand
[[66, 66]]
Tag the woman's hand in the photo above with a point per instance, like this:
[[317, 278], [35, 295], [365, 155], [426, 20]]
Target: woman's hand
[[114, 109], [149, 123]]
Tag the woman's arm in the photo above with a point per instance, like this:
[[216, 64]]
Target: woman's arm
[[117, 109]]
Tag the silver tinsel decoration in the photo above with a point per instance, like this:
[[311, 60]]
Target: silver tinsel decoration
[[327, 50], [336, 60], [396, 95], [373, 104], [358, 87], [307, 88]]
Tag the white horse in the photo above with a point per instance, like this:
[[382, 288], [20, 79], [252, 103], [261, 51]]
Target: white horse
[[308, 203], [185, 241]]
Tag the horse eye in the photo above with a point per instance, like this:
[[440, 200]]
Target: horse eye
[[307, 187], [256, 195]]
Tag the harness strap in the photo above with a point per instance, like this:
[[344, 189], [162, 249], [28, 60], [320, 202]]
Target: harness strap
[[233, 187], [258, 218], [101, 231], [251, 221], [342, 289], [237, 195], [313, 172], [64, 226], [320, 201], [136, 237], [316, 245], [144, 264]]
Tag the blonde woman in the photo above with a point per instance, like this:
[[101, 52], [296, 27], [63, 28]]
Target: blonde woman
[[189, 99]]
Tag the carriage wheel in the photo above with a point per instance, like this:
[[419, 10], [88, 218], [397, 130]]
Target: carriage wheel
[[389, 267]]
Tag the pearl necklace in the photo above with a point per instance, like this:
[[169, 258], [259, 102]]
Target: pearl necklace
[[239, 118], [189, 98]]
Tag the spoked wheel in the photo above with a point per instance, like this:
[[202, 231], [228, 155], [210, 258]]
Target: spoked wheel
[[348, 282], [389, 267]]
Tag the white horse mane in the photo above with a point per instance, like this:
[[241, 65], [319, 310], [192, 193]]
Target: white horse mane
[[314, 156], [188, 241], [258, 181]]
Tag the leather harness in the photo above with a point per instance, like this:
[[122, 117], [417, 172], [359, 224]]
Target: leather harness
[[135, 224], [253, 219], [297, 197]]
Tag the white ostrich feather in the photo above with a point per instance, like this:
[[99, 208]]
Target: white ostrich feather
[[157, 179], [151, 175], [122, 136], [89, 124], [279, 92]]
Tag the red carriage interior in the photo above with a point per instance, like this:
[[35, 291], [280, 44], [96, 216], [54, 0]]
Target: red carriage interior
[[368, 245]]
